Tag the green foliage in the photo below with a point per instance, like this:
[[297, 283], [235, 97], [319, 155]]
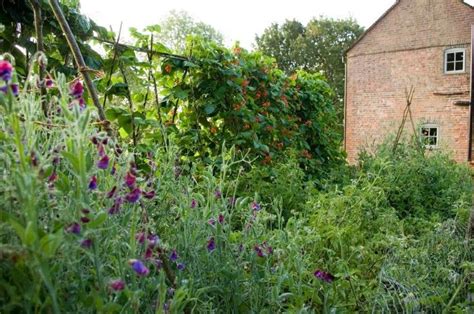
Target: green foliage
[[243, 100], [419, 183]]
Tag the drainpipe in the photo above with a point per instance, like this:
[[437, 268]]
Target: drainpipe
[[344, 59], [471, 110]]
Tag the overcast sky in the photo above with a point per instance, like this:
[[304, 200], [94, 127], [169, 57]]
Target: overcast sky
[[237, 20]]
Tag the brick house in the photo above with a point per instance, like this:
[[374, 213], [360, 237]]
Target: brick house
[[424, 44]]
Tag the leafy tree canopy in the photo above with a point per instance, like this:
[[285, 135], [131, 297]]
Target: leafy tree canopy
[[179, 25], [317, 47]]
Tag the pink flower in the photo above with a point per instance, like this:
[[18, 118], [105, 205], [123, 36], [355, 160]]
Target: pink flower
[[6, 70], [76, 89], [117, 285], [130, 179]]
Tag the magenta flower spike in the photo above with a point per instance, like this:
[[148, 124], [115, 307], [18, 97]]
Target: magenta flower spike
[[6, 70], [93, 183], [324, 276], [139, 267], [193, 203], [117, 285], [217, 194], [103, 163], [133, 196]]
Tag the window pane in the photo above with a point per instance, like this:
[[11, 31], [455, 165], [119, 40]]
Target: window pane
[[433, 132], [450, 66], [432, 141], [450, 57], [459, 66], [459, 56]]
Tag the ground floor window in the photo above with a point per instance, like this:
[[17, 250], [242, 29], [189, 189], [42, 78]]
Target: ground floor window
[[430, 135]]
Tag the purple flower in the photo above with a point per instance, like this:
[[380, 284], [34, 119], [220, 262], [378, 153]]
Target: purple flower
[[86, 243], [48, 82], [180, 266], [259, 251], [170, 292], [221, 218], [116, 206], [153, 240], [103, 162], [130, 179], [149, 195], [139, 267], [211, 244], [193, 203], [324, 276], [111, 193], [53, 177], [148, 253], [93, 183], [140, 237], [56, 160], [74, 228], [76, 89], [217, 194], [113, 170], [4, 89], [6, 70], [133, 196], [85, 211], [94, 140], [256, 206], [174, 256], [15, 89], [85, 220], [117, 285]]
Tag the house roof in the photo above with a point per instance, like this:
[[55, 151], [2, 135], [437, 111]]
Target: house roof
[[380, 19]]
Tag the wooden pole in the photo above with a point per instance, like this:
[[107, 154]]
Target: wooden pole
[[58, 13]]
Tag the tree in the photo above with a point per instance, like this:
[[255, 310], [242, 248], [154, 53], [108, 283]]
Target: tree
[[318, 47], [179, 25]]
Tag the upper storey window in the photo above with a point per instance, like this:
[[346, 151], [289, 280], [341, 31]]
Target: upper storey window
[[455, 60]]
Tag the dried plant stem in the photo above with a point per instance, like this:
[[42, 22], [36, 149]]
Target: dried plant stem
[[40, 48]]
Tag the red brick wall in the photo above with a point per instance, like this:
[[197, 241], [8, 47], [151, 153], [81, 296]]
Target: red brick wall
[[406, 49]]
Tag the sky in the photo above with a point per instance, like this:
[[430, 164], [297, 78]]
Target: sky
[[238, 20]]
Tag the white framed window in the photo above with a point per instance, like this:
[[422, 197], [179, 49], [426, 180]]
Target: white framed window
[[455, 60], [430, 135]]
